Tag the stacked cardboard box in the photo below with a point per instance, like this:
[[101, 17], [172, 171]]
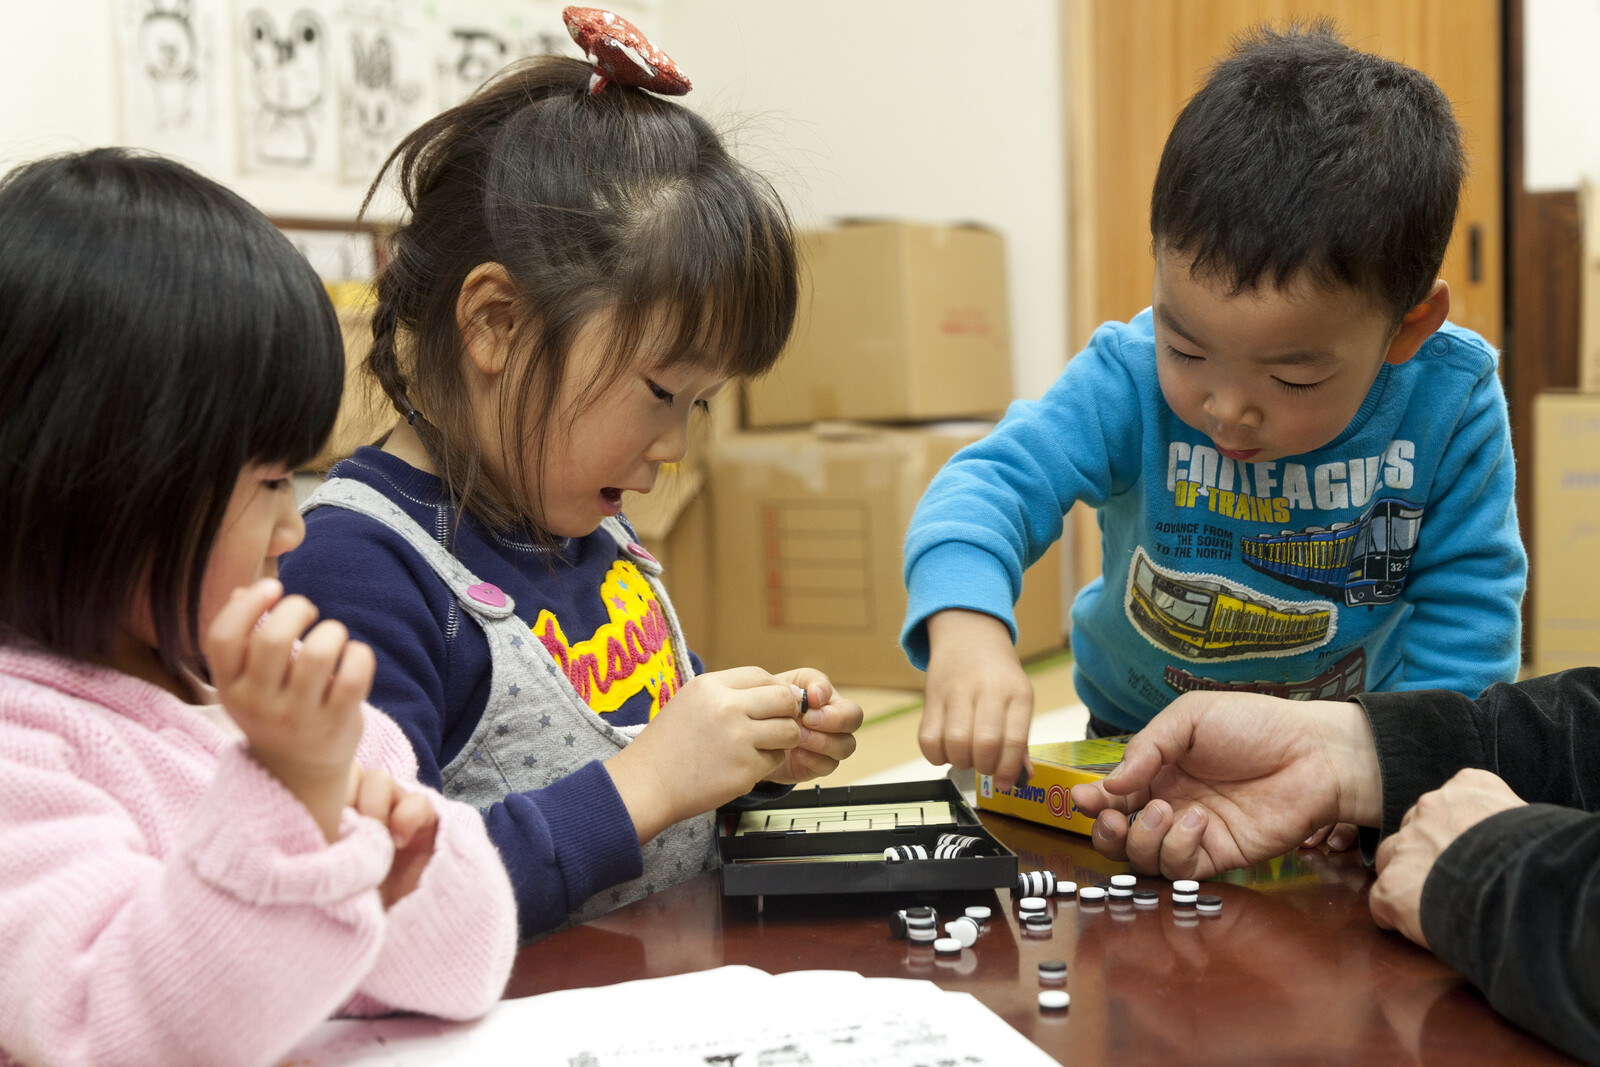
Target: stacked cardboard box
[[903, 330], [1566, 502]]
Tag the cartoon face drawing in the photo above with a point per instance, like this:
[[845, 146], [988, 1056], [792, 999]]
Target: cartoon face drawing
[[167, 44], [482, 53], [373, 96], [288, 74]]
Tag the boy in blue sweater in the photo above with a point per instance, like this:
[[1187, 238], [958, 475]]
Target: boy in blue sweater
[[1303, 472]]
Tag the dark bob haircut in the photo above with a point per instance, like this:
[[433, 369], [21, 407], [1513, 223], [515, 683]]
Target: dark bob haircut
[[619, 203], [157, 334], [1302, 154]]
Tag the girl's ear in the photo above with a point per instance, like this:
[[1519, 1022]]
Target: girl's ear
[[486, 315]]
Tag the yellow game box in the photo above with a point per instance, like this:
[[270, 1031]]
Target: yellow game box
[[1047, 796]]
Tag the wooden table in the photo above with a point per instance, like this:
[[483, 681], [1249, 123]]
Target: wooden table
[[1292, 970]]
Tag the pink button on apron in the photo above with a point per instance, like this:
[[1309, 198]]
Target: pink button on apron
[[484, 593], [638, 550]]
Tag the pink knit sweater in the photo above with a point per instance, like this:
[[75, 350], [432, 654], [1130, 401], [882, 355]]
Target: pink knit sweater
[[163, 899]]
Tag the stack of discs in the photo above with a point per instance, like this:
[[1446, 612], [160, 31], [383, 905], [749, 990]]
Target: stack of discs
[[1037, 923], [901, 853], [1031, 906], [1036, 883], [1122, 886], [1184, 891], [1091, 894], [1067, 890], [950, 846], [922, 925], [1052, 972], [1145, 898], [1208, 905], [963, 929]]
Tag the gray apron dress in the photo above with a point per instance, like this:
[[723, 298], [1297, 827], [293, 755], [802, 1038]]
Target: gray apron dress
[[536, 729]]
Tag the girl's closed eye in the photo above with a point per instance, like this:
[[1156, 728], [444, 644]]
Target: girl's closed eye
[[660, 393]]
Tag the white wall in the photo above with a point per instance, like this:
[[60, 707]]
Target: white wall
[[1561, 93], [917, 109], [920, 109]]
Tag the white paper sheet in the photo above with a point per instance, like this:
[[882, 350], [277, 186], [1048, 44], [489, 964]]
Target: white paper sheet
[[738, 1016]]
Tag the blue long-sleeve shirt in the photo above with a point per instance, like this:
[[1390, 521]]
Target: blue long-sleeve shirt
[[1388, 559]]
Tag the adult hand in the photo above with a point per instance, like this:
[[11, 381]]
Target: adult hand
[[828, 729], [1224, 780], [978, 703], [411, 820], [1406, 856], [297, 699]]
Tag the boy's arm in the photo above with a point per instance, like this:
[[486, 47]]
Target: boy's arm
[[998, 504], [1467, 577]]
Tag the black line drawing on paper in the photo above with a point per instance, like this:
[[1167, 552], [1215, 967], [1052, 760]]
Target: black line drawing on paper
[[378, 98], [288, 79], [169, 58]]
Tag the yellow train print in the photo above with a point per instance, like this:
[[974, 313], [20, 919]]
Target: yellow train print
[[1200, 619]]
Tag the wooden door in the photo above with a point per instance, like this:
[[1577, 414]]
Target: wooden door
[[1132, 64]]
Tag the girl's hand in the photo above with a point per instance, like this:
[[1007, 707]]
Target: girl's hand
[[718, 736], [828, 733], [298, 700], [411, 820]]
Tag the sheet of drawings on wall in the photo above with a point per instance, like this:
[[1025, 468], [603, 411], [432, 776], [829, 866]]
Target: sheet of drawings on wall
[[287, 90], [383, 80], [472, 39], [170, 67]]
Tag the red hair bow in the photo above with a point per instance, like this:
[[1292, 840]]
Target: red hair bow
[[621, 54]]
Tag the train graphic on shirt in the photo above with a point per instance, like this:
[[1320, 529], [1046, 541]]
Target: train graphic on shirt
[[1347, 677], [1201, 617], [1364, 562]]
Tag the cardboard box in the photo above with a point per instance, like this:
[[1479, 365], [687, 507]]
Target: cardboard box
[[1566, 524], [674, 523], [1589, 286], [1047, 797], [808, 528], [897, 321]]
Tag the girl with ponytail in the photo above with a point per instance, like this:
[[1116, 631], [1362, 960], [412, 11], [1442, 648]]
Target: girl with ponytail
[[576, 274]]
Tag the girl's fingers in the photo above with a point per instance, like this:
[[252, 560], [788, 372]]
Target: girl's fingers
[[413, 814], [839, 717], [774, 735], [355, 785], [770, 701], [271, 644], [352, 678], [312, 666], [377, 795], [228, 636]]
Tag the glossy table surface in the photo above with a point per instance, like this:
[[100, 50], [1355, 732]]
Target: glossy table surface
[[1292, 970]]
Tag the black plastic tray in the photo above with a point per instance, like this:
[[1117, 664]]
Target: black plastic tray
[[988, 865]]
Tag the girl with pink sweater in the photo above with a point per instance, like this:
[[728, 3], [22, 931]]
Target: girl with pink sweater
[[208, 841]]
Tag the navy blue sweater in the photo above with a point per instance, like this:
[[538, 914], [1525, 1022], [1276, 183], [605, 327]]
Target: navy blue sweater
[[561, 844]]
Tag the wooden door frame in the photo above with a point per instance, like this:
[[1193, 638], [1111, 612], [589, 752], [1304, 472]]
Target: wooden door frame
[[1544, 263]]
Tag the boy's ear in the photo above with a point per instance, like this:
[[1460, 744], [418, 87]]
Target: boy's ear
[[1420, 323], [486, 315]]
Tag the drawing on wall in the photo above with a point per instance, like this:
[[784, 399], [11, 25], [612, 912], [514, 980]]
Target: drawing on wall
[[287, 90], [168, 62], [475, 38], [382, 68]]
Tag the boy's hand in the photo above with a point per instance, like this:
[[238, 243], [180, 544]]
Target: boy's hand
[[410, 819], [1223, 780], [1406, 857], [828, 734], [978, 703], [715, 739], [298, 704]]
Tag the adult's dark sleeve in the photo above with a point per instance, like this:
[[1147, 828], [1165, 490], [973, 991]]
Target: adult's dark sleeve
[[1513, 903]]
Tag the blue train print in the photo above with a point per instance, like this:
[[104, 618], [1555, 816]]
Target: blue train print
[[1365, 562]]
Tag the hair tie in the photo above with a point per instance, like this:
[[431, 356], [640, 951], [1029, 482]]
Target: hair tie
[[620, 53], [412, 415]]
